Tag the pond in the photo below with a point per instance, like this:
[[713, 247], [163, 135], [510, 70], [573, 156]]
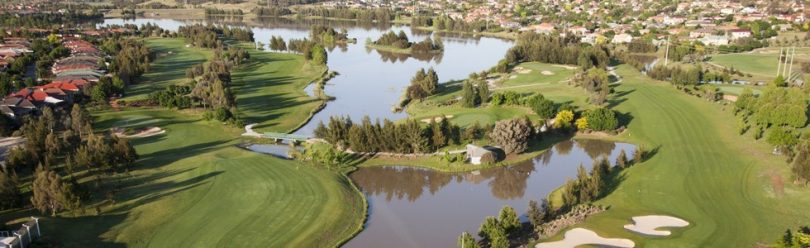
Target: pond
[[412, 207], [370, 83]]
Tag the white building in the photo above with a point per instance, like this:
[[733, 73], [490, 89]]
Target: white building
[[622, 38]]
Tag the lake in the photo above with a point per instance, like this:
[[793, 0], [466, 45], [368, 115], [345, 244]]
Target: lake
[[414, 207], [371, 82]]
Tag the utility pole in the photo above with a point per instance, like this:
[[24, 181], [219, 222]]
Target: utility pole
[[666, 55], [779, 63], [792, 55]]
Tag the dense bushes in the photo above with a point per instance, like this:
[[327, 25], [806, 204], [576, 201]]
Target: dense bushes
[[172, 97], [512, 135], [601, 119]]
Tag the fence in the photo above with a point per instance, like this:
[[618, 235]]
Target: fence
[[22, 237]]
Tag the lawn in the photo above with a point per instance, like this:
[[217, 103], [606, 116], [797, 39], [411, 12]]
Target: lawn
[[553, 83], [270, 89], [169, 67], [761, 63], [194, 190], [726, 185]]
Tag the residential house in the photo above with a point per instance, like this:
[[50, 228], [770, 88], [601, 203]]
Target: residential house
[[622, 38], [739, 33], [479, 155]]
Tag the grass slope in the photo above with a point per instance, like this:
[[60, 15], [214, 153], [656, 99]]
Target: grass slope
[[193, 190], [701, 171], [270, 89]]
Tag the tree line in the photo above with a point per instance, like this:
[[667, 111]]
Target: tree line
[[312, 51], [557, 50], [405, 137], [382, 15], [208, 36]]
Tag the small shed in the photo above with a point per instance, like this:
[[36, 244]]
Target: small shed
[[480, 155]]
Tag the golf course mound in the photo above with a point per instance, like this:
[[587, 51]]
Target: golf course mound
[[647, 225], [581, 236]]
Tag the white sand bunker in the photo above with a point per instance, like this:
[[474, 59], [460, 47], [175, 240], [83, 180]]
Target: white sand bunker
[[148, 132], [547, 73], [521, 70], [436, 119], [647, 225], [513, 77], [580, 236]]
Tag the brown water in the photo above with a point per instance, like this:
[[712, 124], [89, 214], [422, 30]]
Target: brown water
[[412, 207]]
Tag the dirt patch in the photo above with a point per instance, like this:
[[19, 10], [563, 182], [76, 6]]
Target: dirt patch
[[140, 133], [777, 185], [547, 73]]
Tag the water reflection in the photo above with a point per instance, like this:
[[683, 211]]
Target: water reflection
[[412, 207]]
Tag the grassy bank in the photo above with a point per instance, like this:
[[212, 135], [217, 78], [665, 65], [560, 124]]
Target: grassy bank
[[270, 90], [729, 187]]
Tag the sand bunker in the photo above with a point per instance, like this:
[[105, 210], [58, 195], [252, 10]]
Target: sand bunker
[[647, 224], [513, 77], [580, 236], [143, 133], [437, 118], [547, 73], [521, 70]]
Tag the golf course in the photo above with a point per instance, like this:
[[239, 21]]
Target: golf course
[[193, 185], [732, 190]]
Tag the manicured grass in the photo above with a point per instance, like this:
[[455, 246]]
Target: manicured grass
[[270, 89], [193, 188], [169, 66], [554, 87], [738, 89], [761, 63], [701, 170]]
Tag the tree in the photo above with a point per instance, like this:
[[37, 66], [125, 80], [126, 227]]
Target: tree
[[621, 160], [782, 107], [483, 91], [508, 219], [50, 194], [467, 241], [601, 119], [537, 214], [801, 162], [10, 196], [512, 135], [779, 81], [638, 155], [489, 227], [125, 153], [319, 56], [781, 138], [79, 118], [499, 239], [469, 98], [542, 107]]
